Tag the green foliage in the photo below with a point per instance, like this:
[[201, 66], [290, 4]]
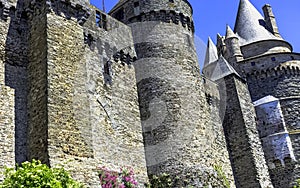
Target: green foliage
[[222, 175], [298, 184], [162, 181], [36, 174]]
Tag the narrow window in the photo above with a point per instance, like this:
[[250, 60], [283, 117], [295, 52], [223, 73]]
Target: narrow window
[[136, 4], [253, 63], [1, 8], [136, 8], [107, 73], [101, 20], [120, 14], [292, 57], [273, 59]]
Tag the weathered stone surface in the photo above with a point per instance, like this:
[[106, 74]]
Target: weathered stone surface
[[245, 149], [80, 89]]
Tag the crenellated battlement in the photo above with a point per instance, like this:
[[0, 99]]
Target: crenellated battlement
[[178, 12], [65, 8], [167, 16], [5, 11], [283, 69]]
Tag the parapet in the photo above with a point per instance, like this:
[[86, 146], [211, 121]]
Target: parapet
[[285, 68], [179, 12]]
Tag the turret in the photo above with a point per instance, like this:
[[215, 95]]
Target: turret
[[233, 50], [211, 52], [256, 32], [270, 20]]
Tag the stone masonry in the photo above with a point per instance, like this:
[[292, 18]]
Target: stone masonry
[[83, 89]]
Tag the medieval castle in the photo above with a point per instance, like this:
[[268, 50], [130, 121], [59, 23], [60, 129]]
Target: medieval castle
[[82, 89]]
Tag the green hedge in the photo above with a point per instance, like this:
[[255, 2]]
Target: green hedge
[[37, 175]]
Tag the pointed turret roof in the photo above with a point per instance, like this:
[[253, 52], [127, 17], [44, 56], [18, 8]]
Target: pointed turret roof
[[229, 33], [211, 52], [250, 24], [219, 69]]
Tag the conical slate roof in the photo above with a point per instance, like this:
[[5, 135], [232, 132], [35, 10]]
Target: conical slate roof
[[229, 33], [211, 52], [249, 25], [219, 69]]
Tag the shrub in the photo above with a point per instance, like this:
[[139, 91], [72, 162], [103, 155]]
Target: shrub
[[161, 181], [35, 174], [298, 184], [123, 179], [222, 176]]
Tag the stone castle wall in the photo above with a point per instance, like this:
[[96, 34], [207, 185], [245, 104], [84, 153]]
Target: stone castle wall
[[79, 86], [244, 145], [7, 104], [37, 98], [217, 107], [283, 83], [265, 47], [92, 109], [13, 83], [80, 89]]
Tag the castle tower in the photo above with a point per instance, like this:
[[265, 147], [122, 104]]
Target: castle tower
[[271, 69], [239, 125], [233, 51], [177, 134], [242, 136], [251, 28]]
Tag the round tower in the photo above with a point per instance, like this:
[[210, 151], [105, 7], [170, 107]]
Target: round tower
[[174, 110], [233, 50]]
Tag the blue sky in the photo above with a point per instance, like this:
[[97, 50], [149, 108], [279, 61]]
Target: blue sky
[[211, 17]]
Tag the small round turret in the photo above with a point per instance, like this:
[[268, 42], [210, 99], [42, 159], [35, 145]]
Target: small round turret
[[233, 50]]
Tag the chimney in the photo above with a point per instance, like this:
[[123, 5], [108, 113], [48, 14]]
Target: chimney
[[270, 20]]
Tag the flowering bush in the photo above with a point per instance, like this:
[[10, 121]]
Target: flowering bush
[[112, 179]]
